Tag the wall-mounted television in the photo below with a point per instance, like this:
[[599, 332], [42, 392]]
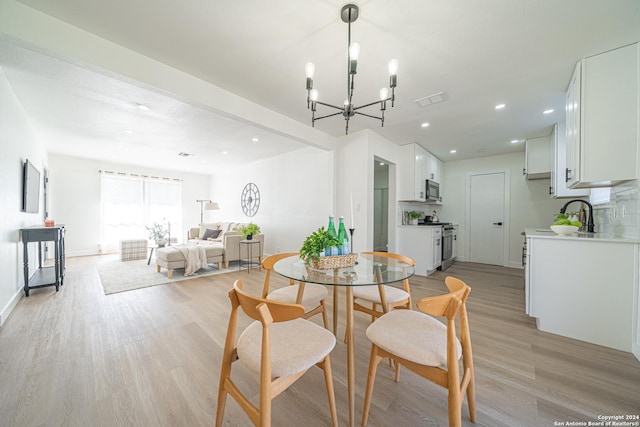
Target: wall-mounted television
[[30, 188]]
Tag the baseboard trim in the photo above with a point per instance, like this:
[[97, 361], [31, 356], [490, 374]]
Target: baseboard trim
[[8, 308]]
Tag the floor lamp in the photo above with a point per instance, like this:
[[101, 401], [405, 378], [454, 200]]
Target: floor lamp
[[207, 205]]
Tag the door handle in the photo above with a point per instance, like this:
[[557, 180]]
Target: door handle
[[497, 223]]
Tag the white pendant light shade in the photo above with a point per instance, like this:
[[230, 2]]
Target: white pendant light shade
[[354, 51], [313, 94], [309, 69], [384, 93], [393, 67]]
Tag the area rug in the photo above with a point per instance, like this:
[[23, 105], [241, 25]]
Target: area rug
[[120, 276]]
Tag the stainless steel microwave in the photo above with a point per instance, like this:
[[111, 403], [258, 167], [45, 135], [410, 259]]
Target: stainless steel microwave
[[432, 191]]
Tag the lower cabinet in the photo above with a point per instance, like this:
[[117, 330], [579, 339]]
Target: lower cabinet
[[423, 244], [584, 289]]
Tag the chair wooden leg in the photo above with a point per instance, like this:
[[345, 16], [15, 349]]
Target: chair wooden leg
[[328, 378], [371, 377], [471, 397], [335, 311], [397, 376], [222, 395], [325, 321]]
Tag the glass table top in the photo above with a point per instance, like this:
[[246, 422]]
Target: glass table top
[[369, 270]]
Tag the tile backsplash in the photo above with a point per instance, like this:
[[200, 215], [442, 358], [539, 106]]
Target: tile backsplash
[[621, 217]]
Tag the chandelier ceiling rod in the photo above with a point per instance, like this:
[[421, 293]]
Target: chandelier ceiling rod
[[349, 14]]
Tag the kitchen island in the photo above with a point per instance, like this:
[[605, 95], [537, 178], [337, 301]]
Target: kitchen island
[[584, 286]]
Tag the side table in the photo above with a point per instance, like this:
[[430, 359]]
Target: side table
[[44, 276], [249, 260]]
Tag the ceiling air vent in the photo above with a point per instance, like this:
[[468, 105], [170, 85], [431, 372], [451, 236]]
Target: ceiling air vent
[[436, 98]]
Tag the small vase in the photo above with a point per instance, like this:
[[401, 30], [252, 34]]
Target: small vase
[[249, 236], [161, 243]]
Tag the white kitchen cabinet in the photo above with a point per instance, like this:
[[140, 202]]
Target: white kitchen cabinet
[[434, 168], [412, 172], [603, 115], [558, 186], [423, 245], [537, 158], [582, 288]]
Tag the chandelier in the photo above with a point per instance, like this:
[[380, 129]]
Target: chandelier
[[349, 14]]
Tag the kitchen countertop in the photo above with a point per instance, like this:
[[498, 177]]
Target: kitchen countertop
[[593, 237]]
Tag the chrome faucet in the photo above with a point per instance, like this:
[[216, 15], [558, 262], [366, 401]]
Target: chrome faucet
[[590, 224]]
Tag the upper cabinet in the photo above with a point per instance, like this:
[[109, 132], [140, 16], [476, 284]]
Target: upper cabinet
[[412, 172], [434, 168], [603, 115], [415, 166], [537, 158], [558, 186]]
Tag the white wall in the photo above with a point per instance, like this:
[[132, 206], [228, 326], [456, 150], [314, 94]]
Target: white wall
[[75, 198], [17, 143], [355, 177], [530, 204], [296, 196]]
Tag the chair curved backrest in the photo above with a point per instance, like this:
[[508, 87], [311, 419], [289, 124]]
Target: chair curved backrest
[[280, 311], [399, 257], [268, 264]]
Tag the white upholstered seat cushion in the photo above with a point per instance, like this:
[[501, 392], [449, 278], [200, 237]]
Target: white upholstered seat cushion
[[296, 345], [371, 293], [412, 335], [311, 296]]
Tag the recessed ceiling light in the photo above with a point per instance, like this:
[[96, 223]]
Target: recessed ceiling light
[[381, 163], [254, 139], [549, 111], [500, 106], [425, 124], [515, 141], [225, 152], [129, 131], [453, 151], [143, 107]]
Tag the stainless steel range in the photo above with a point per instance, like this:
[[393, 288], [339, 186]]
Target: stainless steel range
[[449, 235]]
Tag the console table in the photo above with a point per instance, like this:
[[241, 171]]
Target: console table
[[44, 276]]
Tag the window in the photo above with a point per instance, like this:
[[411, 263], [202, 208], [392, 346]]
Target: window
[[129, 203]]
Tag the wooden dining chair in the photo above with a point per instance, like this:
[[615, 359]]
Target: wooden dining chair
[[310, 295], [426, 346], [379, 295], [279, 345]]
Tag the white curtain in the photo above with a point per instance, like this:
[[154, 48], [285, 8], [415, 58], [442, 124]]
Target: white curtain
[[129, 203]]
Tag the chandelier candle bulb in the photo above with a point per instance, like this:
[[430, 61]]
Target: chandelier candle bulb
[[309, 69]]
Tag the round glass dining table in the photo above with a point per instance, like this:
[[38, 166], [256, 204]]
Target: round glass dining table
[[370, 270]]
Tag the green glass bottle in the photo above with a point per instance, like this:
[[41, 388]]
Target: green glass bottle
[[333, 250], [343, 249]]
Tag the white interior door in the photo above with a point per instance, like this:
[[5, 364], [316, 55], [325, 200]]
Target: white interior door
[[487, 218]]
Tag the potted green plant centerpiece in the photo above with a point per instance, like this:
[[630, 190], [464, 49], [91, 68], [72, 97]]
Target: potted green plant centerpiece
[[249, 230], [158, 233], [314, 247]]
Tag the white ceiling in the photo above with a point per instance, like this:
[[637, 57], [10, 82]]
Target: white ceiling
[[480, 52]]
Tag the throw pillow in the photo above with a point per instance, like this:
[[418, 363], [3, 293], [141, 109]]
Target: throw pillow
[[204, 227], [211, 234]]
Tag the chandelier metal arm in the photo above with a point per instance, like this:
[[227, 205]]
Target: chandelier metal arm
[[329, 105], [372, 103], [368, 115], [325, 116]]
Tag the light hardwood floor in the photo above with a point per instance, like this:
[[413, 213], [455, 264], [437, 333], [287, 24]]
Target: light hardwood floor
[[151, 357]]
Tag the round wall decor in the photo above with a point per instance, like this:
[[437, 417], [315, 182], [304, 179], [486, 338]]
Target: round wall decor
[[250, 199]]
